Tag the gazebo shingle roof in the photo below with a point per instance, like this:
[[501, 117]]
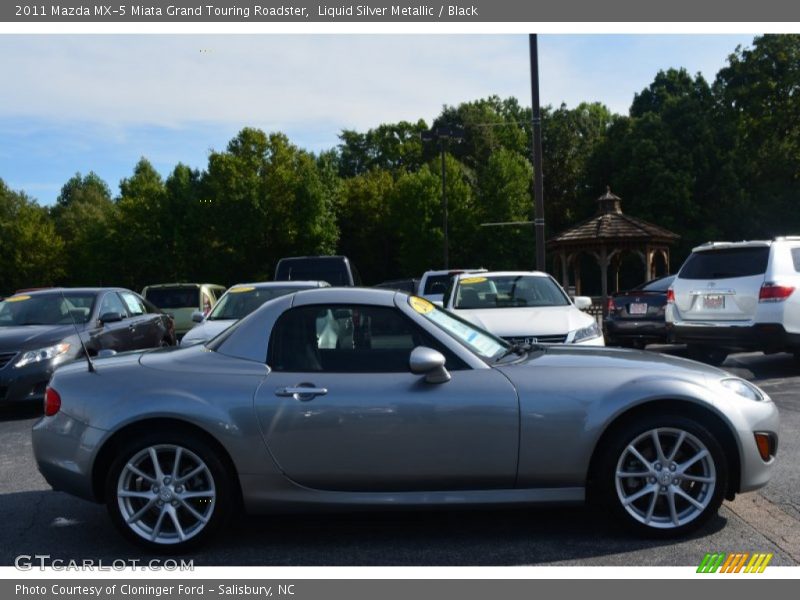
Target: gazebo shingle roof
[[610, 224]]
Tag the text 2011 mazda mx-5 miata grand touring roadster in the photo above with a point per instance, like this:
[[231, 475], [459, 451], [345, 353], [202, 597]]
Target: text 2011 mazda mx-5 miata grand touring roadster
[[336, 398]]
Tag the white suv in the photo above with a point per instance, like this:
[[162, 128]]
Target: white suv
[[737, 296]]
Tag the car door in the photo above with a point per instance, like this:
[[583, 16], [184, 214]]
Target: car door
[[114, 335], [147, 330], [367, 423]]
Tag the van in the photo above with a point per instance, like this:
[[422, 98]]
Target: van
[[336, 270], [180, 300]]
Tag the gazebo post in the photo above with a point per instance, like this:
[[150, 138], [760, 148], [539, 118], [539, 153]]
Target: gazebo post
[[603, 260]]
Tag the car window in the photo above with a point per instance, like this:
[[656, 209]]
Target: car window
[[436, 284], [134, 304], [796, 259], [112, 303], [240, 301], [174, 297], [508, 291], [657, 285], [348, 339], [725, 263]]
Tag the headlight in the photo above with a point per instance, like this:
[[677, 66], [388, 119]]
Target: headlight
[[35, 356], [587, 333], [743, 388]]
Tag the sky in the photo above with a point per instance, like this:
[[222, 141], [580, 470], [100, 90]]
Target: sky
[[83, 103]]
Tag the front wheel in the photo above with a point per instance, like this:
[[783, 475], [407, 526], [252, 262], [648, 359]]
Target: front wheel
[[168, 491], [663, 475]]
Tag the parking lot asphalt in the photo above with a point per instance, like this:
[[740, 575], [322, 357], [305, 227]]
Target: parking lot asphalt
[[37, 520]]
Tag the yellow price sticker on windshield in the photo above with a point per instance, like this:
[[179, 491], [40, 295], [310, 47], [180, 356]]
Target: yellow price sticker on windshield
[[17, 298], [239, 290], [470, 280], [420, 305]]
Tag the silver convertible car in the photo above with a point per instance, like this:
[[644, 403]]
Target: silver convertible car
[[364, 398]]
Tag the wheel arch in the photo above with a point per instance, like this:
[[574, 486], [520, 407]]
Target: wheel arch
[[706, 416], [108, 451]]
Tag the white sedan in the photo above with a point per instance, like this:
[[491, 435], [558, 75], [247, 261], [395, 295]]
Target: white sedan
[[524, 307]]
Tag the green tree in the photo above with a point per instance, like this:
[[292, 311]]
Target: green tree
[[32, 250], [365, 223], [84, 215], [758, 95]]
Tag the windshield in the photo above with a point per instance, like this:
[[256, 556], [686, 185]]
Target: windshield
[[509, 291], [46, 309], [238, 302], [481, 342], [174, 297]]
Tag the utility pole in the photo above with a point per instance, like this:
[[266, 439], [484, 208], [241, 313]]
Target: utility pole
[[442, 134], [538, 188]]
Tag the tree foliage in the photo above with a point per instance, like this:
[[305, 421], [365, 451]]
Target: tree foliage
[[709, 161]]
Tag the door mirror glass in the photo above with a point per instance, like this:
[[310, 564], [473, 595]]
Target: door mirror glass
[[428, 362]]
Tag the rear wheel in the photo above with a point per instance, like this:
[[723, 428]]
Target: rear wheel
[[663, 475], [168, 491]]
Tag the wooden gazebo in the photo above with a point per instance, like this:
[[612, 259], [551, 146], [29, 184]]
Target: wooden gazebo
[[607, 236]]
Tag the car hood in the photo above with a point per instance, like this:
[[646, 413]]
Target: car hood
[[603, 360], [205, 331], [31, 337], [527, 321]]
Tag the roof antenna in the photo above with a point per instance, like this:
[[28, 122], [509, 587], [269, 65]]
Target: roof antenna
[[78, 333]]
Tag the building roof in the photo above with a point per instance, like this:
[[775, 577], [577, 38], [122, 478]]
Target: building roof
[[609, 224]]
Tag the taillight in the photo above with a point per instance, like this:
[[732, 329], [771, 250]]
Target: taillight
[[772, 292], [610, 307], [52, 402], [670, 296]]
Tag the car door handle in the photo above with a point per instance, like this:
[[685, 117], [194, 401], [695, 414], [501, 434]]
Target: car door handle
[[301, 392]]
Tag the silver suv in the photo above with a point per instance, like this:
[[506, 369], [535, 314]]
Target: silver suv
[[737, 296]]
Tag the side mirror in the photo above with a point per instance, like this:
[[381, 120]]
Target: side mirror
[[106, 353], [110, 317], [197, 316], [582, 302], [428, 362]]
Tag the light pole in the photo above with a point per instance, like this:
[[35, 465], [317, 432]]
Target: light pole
[[536, 148], [443, 133]]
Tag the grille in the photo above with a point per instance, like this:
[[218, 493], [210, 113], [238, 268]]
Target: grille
[[5, 358], [540, 339]]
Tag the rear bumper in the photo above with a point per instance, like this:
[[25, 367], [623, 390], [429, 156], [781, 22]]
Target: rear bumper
[[766, 337], [633, 330]]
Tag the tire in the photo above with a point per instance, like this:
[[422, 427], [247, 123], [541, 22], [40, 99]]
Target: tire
[[156, 510], [707, 354], [662, 498]]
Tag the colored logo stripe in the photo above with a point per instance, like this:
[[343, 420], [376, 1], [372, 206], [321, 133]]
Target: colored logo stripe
[[734, 563]]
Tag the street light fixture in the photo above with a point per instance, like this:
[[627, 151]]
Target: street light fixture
[[443, 134]]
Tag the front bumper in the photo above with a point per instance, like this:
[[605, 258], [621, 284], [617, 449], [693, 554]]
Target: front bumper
[[747, 336], [27, 384], [757, 417]]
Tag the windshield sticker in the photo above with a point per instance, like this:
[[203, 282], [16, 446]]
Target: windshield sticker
[[420, 305], [471, 280], [239, 290], [18, 298]]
